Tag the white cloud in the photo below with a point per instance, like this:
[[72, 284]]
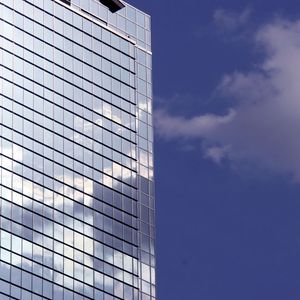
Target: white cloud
[[264, 124], [216, 153], [172, 127], [229, 20]]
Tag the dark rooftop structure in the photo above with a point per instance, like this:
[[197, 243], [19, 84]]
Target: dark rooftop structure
[[113, 5]]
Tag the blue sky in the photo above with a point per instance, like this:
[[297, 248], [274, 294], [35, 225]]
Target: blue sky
[[227, 117]]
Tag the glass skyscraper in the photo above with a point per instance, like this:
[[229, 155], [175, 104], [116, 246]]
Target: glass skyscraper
[[76, 151]]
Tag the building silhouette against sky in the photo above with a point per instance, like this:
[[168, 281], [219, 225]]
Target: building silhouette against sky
[[76, 159]]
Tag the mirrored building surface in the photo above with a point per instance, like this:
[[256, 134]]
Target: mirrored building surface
[[76, 151]]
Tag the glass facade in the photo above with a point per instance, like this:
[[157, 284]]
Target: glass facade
[[76, 152]]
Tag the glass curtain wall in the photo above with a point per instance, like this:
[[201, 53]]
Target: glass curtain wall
[[76, 152]]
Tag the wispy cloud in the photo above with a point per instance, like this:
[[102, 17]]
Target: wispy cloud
[[263, 126], [229, 24], [231, 20], [200, 126], [216, 153]]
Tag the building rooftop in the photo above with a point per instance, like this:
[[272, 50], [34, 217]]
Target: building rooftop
[[113, 5]]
